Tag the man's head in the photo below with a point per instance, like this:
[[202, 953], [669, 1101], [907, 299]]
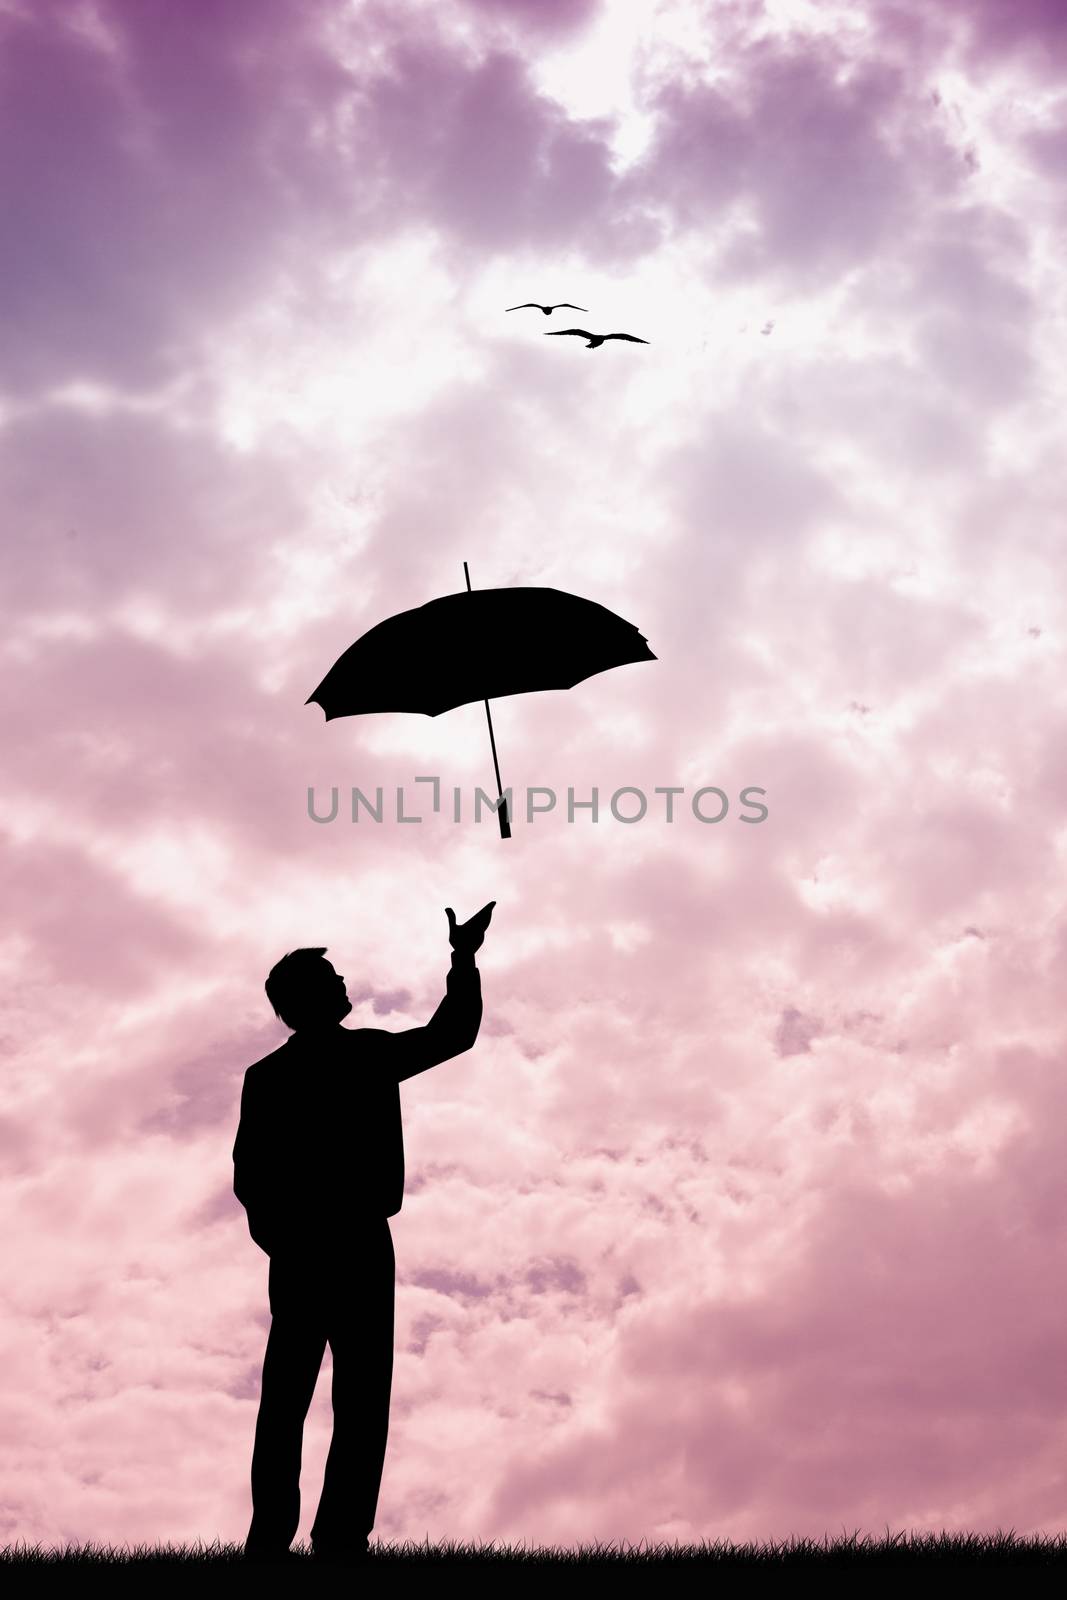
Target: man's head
[[306, 992]]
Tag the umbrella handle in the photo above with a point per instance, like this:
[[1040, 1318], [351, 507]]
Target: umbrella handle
[[502, 809]]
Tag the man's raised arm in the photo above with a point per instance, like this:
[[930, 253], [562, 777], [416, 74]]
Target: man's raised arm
[[454, 1026]]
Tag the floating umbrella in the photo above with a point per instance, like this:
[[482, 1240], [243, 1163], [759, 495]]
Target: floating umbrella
[[478, 645]]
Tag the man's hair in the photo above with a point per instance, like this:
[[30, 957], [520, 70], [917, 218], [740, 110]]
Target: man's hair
[[291, 986]]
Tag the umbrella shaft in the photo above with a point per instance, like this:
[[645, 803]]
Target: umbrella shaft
[[488, 718], [502, 814], [492, 743]]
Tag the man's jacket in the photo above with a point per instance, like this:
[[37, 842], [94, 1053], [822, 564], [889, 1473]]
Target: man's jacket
[[320, 1144]]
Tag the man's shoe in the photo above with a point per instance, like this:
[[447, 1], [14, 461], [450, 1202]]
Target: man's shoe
[[269, 1555], [341, 1555]]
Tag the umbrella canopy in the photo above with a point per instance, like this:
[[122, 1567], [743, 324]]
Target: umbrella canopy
[[477, 646]]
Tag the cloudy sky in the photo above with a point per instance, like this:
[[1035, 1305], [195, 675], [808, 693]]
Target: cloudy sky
[[745, 1217]]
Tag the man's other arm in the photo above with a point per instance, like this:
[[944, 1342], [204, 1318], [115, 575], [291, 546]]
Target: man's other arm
[[452, 1029], [252, 1177]]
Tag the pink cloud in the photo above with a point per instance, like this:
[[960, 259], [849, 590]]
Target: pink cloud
[[1036, 26], [789, 135], [539, 15], [741, 1220], [153, 182]]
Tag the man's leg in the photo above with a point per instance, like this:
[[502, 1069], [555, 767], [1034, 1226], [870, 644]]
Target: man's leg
[[360, 1331], [295, 1347]]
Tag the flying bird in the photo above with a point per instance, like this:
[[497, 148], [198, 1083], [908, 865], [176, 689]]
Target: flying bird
[[594, 338], [535, 305]]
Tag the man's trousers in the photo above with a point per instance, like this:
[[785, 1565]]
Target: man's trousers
[[342, 1296]]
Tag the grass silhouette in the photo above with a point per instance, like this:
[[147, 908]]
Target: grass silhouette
[[899, 1551]]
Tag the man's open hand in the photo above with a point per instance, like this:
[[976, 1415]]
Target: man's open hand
[[467, 936]]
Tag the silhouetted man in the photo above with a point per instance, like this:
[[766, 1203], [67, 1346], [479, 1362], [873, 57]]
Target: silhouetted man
[[319, 1168]]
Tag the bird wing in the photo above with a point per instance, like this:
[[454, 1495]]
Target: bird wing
[[559, 333], [570, 306], [631, 336], [532, 303]]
